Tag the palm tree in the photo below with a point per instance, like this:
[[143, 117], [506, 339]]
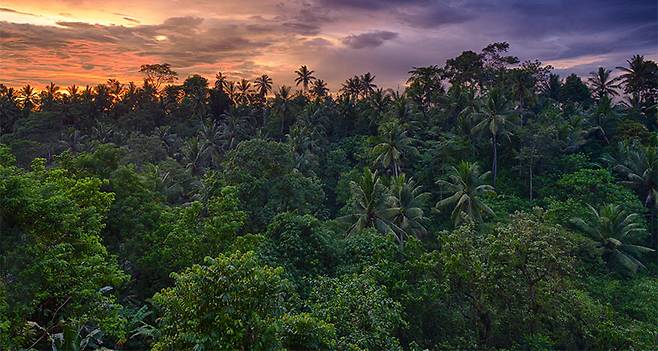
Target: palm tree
[[396, 144], [50, 95], [73, 93], [9, 110], [220, 81], [244, 92], [602, 117], [28, 97], [352, 88], [467, 186], [405, 211], [102, 132], [194, 154], [319, 89], [263, 86], [211, 137], [304, 77], [232, 91], [602, 85], [232, 129], [282, 104], [367, 84], [368, 204], [610, 226], [552, 87], [73, 140], [638, 165], [494, 115], [637, 76]]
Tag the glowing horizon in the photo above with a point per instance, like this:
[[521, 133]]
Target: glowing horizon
[[86, 42]]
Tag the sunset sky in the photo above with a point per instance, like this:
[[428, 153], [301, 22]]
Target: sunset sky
[[87, 41]]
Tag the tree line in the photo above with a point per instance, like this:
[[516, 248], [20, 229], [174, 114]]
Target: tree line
[[490, 204]]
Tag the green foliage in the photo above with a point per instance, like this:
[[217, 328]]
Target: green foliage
[[186, 235], [569, 197], [515, 280], [361, 311], [267, 182], [154, 178], [304, 332], [234, 303], [51, 224], [302, 245]]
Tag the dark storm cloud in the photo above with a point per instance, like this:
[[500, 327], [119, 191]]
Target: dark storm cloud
[[434, 15], [369, 39]]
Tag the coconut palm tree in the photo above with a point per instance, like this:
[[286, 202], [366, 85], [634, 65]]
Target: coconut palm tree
[[263, 86], [638, 76], [638, 165], [610, 227], [319, 89], [50, 96], [283, 104], [405, 208], [244, 92], [368, 204], [304, 77], [194, 155], [102, 132], [602, 84], [232, 129], [352, 88], [211, 137], [73, 140], [73, 93], [552, 87], [466, 185], [393, 148], [494, 115], [367, 84], [9, 110], [220, 81], [232, 91], [602, 118], [28, 97]]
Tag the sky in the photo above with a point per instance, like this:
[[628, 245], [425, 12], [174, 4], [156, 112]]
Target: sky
[[88, 41]]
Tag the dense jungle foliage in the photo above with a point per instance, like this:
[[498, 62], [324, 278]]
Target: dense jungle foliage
[[490, 204]]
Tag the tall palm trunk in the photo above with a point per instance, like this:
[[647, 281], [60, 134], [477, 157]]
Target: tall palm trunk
[[654, 235], [494, 166], [530, 181]]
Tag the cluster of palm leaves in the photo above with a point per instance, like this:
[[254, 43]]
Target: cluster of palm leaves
[[359, 86], [466, 187], [396, 209], [611, 227]]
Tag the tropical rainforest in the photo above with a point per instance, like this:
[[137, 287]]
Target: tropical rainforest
[[486, 204]]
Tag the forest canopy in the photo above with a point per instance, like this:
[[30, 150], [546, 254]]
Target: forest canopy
[[489, 204]]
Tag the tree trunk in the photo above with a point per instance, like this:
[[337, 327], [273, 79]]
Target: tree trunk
[[530, 181], [494, 167], [654, 235]]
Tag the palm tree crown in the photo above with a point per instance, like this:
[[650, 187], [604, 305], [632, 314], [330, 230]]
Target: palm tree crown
[[263, 86], [610, 226], [601, 83], [391, 150], [304, 77], [467, 185]]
